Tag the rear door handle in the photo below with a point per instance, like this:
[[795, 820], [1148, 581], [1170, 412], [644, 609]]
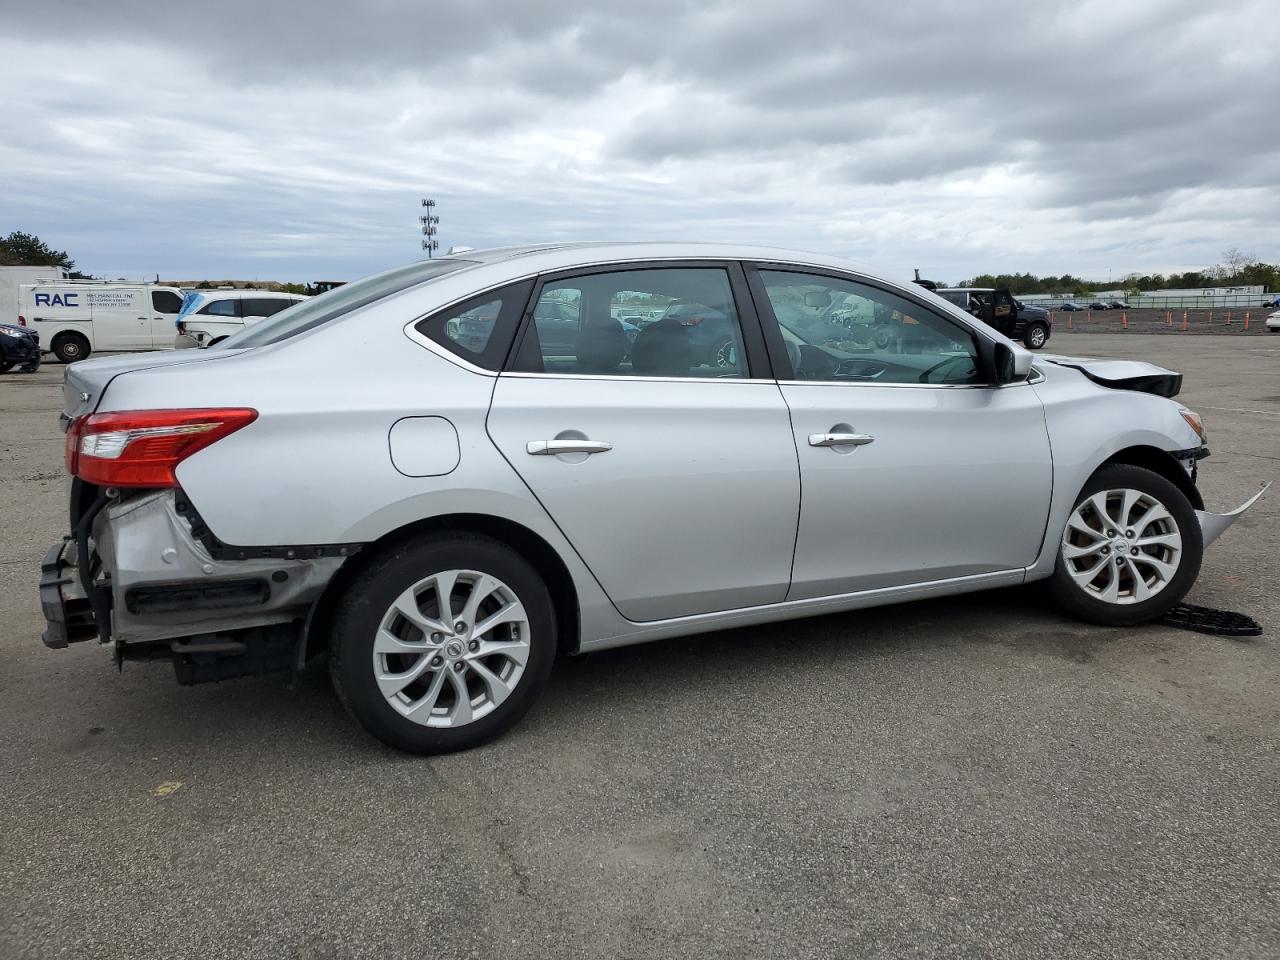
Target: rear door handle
[[840, 439], [551, 448]]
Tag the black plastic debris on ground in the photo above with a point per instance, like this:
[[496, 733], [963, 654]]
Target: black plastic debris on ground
[[1222, 623]]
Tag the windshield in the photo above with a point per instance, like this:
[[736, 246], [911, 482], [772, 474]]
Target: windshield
[[309, 314]]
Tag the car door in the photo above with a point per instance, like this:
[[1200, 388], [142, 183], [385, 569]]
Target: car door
[[674, 478], [913, 469], [165, 307]]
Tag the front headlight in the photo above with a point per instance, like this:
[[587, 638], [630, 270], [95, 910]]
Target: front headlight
[[1195, 423], [6, 332]]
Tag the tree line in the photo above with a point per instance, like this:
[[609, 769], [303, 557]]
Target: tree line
[[1236, 269]]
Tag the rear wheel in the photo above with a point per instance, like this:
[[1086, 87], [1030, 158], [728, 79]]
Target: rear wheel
[[70, 347], [1036, 336], [443, 645], [1131, 548]]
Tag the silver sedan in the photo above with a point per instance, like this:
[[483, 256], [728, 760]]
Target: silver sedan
[[446, 474]]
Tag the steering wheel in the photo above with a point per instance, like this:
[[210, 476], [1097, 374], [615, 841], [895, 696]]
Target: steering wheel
[[924, 377]]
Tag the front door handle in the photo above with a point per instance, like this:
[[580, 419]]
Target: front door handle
[[553, 448], [840, 439]]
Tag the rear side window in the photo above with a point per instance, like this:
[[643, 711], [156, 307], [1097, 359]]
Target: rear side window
[[221, 308], [264, 306], [165, 301], [480, 330]]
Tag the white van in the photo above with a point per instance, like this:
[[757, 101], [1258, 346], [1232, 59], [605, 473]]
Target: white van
[[210, 316], [77, 317]]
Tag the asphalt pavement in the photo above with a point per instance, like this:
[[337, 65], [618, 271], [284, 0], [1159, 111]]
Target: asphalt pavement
[[972, 777]]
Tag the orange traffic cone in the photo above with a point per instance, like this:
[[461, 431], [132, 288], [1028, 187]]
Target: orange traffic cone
[[1246, 319], [1184, 320], [1124, 319]]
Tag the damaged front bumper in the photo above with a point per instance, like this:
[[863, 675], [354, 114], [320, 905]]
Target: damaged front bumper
[[152, 585], [1213, 525]]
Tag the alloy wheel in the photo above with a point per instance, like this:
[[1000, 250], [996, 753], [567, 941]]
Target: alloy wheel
[[451, 648], [1121, 546]]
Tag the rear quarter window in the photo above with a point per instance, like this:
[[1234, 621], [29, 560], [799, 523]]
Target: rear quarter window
[[480, 330]]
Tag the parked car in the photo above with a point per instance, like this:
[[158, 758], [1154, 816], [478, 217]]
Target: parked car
[[443, 517], [1118, 305], [999, 308], [1273, 322], [1097, 305], [19, 347], [1070, 307], [208, 317], [78, 317]]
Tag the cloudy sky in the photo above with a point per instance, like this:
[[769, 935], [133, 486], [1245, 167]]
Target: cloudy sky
[[293, 140]]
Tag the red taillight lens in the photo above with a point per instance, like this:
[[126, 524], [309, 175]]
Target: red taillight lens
[[22, 321], [142, 448]]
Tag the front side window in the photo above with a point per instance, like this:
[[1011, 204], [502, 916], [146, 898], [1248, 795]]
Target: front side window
[[166, 301], [839, 330], [661, 322]]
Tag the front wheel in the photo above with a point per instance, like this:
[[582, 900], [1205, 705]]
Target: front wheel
[[1036, 337], [443, 645], [1131, 548]]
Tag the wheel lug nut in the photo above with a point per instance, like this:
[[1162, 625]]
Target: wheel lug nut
[[436, 661], [1129, 534], [459, 666], [460, 627], [1111, 533], [1134, 551], [1105, 551], [437, 637], [473, 646], [1119, 561]]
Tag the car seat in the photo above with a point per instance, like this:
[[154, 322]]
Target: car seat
[[662, 350], [601, 346]]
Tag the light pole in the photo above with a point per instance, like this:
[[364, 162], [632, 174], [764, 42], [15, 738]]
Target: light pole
[[429, 220]]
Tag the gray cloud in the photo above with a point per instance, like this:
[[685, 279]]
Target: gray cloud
[[196, 138]]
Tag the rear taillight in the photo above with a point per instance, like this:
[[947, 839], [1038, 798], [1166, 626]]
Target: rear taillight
[[22, 321], [142, 448]]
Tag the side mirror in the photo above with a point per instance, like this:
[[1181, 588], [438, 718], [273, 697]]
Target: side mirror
[[1011, 364]]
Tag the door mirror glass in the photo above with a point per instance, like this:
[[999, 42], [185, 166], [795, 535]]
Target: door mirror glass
[[1011, 363]]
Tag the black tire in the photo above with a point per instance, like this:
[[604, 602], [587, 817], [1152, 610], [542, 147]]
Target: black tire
[[1036, 336], [1075, 600], [70, 347], [367, 600]]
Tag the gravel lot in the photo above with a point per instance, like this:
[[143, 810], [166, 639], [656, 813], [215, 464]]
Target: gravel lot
[[973, 777]]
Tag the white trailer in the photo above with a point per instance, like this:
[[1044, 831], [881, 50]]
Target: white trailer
[[11, 278]]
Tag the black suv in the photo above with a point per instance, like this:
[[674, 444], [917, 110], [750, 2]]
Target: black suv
[[999, 309], [19, 347]]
